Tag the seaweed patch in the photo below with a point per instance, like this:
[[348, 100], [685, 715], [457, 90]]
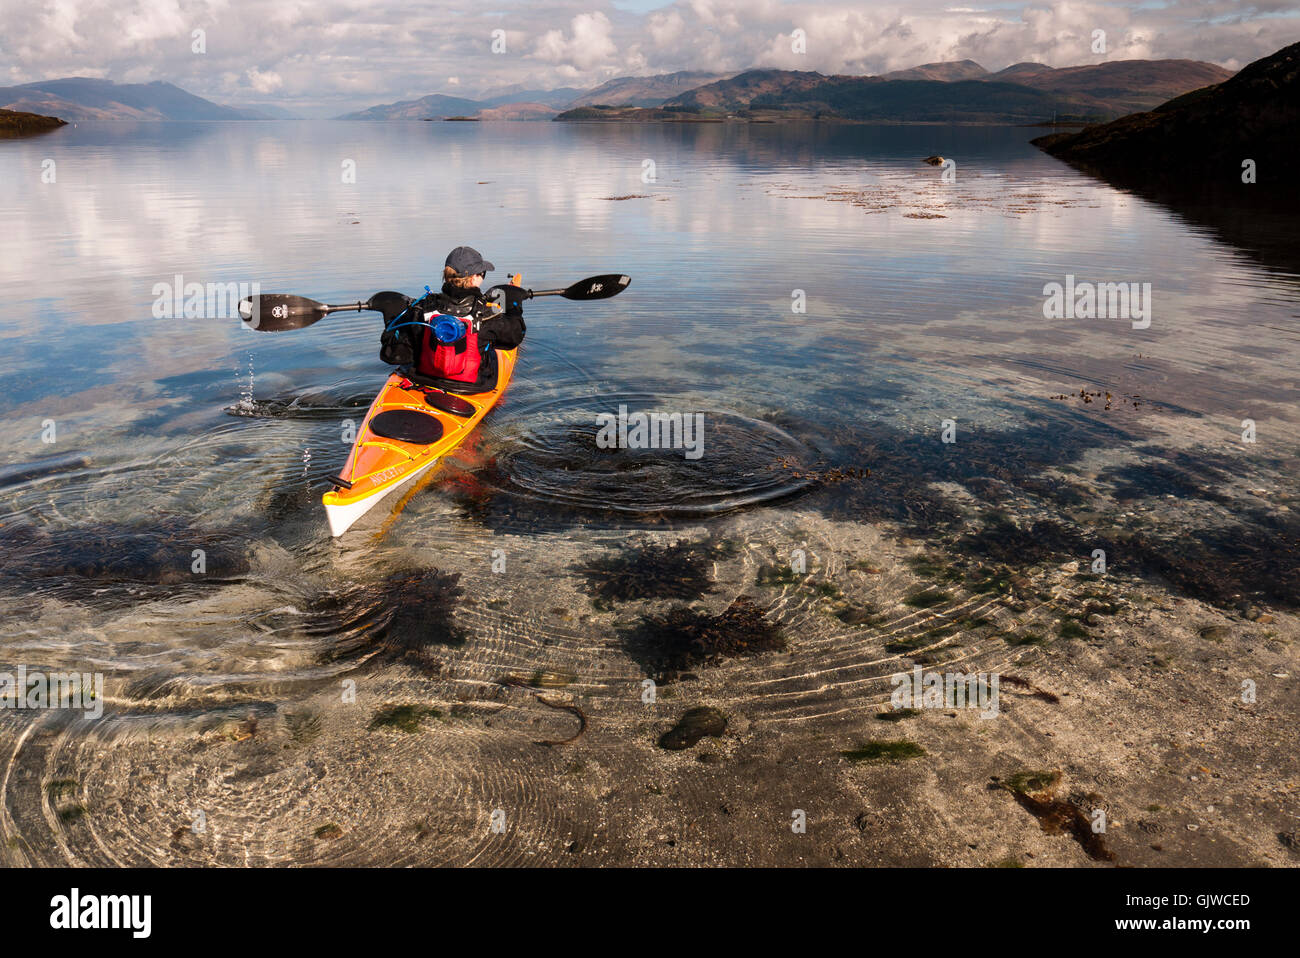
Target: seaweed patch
[[668, 643]]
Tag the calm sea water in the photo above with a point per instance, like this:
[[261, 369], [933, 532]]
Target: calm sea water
[[824, 296]]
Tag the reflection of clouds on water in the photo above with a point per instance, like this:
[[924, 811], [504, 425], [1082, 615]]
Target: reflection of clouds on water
[[909, 322]]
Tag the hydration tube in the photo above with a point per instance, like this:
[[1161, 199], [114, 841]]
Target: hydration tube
[[447, 328], [418, 322]]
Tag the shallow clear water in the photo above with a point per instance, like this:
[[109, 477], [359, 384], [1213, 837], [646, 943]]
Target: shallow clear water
[[923, 303]]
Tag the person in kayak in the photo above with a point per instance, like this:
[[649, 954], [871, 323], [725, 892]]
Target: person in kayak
[[452, 335]]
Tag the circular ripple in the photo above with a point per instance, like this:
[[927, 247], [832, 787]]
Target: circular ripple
[[555, 457]]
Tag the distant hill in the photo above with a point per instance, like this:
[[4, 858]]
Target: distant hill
[[15, 123], [518, 111], [644, 91], [1201, 138], [947, 72], [558, 98], [793, 93], [434, 106], [961, 91], [737, 92], [79, 99], [1118, 87], [640, 114]]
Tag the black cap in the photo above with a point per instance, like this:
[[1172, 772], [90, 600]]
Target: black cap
[[467, 261]]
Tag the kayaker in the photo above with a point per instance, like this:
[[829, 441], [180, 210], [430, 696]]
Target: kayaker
[[451, 334]]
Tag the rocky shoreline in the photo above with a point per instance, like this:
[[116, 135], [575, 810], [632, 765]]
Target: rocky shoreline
[[16, 123]]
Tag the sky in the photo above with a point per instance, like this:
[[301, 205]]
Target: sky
[[324, 57]]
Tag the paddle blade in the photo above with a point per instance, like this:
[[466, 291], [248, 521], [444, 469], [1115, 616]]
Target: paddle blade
[[275, 312], [597, 287]]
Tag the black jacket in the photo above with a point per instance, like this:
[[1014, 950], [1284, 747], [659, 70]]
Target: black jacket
[[404, 330]]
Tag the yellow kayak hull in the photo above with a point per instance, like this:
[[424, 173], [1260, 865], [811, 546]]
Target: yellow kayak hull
[[378, 465]]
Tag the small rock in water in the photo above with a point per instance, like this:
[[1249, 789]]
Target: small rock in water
[[692, 727]]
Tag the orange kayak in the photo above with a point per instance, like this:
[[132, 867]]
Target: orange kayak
[[407, 430]]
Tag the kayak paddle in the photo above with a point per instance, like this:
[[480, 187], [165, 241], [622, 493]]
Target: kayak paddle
[[276, 312], [593, 287]]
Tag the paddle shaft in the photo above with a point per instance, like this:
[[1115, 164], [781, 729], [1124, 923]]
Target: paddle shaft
[[278, 312], [364, 307]]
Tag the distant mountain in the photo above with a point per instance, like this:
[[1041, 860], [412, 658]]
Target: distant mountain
[[737, 92], [557, 98], [961, 91], [947, 72], [1018, 72], [78, 99], [640, 114], [1118, 87], [1200, 139], [435, 106], [645, 91], [518, 111]]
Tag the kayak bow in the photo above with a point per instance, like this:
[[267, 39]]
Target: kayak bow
[[431, 428]]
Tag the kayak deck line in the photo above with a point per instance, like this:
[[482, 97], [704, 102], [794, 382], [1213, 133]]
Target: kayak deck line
[[377, 465]]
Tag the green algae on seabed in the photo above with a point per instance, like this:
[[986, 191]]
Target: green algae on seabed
[[931, 567], [404, 718], [1032, 781], [1035, 791], [883, 751], [61, 787], [926, 598], [775, 575], [1071, 629]]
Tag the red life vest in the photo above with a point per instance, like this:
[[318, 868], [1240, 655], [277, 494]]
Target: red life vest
[[458, 361]]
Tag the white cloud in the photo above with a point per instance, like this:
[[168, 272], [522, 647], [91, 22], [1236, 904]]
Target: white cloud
[[330, 56], [589, 46], [267, 82]]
